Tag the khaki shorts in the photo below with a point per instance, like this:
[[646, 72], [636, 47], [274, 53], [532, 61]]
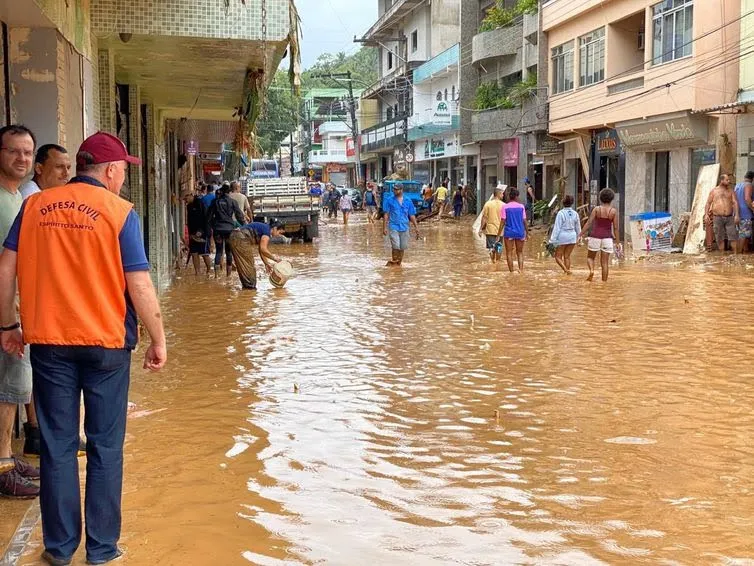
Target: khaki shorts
[[725, 228], [15, 379], [605, 245]]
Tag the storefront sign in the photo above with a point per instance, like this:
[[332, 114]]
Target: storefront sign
[[686, 130], [403, 153], [442, 115], [435, 148], [607, 142], [547, 144], [350, 148], [192, 148], [337, 168], [510, 152]]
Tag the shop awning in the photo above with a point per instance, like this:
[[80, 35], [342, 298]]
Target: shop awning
[[721, 107]]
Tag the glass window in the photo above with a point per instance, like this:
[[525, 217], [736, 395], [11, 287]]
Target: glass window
[[389, 60], [592, 57], [562, 67], [414, 41], [672, 27], [662, 181]]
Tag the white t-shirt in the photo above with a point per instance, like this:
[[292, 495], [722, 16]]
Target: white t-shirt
[[29, 188]]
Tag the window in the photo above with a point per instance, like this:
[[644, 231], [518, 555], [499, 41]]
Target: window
[[389, 60], [414, 41], [562, 68], [662, 181], [672, 25], [592, 57], [389, 113]]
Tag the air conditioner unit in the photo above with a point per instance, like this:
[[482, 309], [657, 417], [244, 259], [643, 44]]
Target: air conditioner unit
[[640, 42]]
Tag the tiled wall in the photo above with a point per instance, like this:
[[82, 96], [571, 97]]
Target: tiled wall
[[106, 73], [191, 18], [72, 18]]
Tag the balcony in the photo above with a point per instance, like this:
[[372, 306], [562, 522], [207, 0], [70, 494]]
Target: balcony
[[321, 156], [385, 135], [503, 42], [531, 25], [399, 10], [496, 124]]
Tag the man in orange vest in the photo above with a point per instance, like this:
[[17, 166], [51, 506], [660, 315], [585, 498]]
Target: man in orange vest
[[83, 278]]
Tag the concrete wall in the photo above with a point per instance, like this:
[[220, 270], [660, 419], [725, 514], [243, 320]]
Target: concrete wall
[[446, 25], [419, 21], [33, 62]]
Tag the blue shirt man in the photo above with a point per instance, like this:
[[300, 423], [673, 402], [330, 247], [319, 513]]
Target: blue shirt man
[[209, 198], [399, 213]]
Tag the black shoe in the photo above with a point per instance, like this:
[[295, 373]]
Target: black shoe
[[32, 442], [118, 554], [52, 561]]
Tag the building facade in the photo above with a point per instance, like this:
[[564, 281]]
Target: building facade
[[160, 76], [634, 89], [503, 99], [407, 34]]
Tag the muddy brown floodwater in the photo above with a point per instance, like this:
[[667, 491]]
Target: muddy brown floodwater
[[447, 413]]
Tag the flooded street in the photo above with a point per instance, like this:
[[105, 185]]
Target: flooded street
[[446, 413]]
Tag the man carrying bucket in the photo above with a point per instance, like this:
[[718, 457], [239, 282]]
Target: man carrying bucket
[[242, 243]]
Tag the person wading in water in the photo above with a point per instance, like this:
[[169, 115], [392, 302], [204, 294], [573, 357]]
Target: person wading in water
[[602, 228]]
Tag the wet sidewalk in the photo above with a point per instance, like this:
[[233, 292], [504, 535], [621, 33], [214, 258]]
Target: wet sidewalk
[[446, 413]]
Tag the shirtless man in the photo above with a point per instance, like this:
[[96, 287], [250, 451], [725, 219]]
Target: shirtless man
[[722, 212]]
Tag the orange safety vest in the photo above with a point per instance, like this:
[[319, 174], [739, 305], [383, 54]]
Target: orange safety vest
[[70, 275]]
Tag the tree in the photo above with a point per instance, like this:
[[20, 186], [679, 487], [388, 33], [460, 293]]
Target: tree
[[280, 117]]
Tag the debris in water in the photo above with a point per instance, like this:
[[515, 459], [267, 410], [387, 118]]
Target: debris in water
[[295, 388], [614, 321], [497, 415]]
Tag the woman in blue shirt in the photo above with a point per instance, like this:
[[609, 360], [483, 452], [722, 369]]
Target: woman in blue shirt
[[565, 234]]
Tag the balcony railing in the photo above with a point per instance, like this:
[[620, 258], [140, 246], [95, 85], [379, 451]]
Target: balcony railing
[[496, 124], [394, 13], [318, 156], [496, 43], [384, 135]]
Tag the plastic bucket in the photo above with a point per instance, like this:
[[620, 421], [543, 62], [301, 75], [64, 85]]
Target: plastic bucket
[[281, 272]]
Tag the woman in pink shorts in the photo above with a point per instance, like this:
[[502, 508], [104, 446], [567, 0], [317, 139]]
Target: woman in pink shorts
[[602, 227]]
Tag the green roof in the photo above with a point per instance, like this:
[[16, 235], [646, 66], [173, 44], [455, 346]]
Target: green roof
[[331, 93]]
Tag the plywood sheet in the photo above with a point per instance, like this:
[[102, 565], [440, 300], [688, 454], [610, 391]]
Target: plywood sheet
[[706, 181]]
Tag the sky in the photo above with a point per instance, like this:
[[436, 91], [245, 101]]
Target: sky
[[329, 26]]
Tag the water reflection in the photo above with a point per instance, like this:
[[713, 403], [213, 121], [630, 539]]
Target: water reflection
[[449, 413]]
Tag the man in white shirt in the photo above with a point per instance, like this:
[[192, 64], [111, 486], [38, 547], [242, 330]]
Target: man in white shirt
[[52, 168]]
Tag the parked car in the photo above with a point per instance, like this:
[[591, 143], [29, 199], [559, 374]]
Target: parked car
[[356, 198]]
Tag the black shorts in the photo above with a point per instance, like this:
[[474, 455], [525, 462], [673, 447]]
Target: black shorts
[[201, 248], [490, 241]]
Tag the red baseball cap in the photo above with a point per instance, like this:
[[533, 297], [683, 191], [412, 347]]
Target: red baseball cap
[[104, 148]]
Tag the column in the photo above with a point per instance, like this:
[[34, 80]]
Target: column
[[106, 74]]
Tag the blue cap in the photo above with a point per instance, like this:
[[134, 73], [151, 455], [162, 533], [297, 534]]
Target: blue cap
[[526, 179]]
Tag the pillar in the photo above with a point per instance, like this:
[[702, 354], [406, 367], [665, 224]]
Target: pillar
[[106, 75]]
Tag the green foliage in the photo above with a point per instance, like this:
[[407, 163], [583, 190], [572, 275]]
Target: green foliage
[[493, 95], [498, 16], [280, 117], [522, 91], [282, 109], [363, 66]]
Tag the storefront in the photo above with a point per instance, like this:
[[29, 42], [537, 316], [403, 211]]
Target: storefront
[[545, 163], [439, 158], [511, 149], [662, 158]]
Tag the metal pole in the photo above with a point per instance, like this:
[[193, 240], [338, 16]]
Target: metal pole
[[354, 129]]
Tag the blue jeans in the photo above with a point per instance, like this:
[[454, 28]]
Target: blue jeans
[[61, 373]]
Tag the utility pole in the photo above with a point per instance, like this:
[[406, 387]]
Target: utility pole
[[354, 122]]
